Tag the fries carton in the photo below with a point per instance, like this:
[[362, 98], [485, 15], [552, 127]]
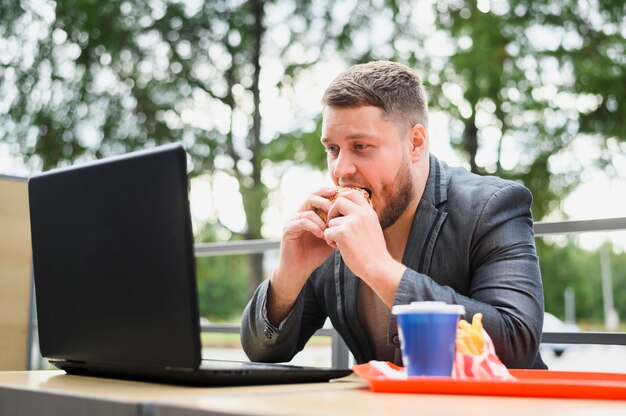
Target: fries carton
[[475, 356]]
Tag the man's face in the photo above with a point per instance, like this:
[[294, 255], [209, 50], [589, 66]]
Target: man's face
[[364, 150]]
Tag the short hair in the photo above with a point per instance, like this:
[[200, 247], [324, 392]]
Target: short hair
[[390, 86]]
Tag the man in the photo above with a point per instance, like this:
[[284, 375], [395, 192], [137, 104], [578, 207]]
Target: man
[[432, 233]]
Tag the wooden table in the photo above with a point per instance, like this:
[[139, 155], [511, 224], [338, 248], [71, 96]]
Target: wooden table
[[55, 393]]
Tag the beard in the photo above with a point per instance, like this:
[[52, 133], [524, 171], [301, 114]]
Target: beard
[[398, 195]]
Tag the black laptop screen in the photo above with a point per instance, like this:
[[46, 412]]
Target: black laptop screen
[[113, 261]]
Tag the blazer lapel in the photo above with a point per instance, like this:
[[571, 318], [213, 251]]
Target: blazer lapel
[[427, 221]]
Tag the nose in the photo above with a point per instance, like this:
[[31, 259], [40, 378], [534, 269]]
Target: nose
[[342, 166]]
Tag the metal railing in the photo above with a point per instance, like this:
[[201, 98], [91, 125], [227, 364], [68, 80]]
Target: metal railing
[[236, 247], [340, 352], [582, 226]]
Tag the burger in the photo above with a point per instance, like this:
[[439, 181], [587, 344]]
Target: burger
[[339, 189]]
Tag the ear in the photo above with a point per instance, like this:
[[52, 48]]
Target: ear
[[418, 142]]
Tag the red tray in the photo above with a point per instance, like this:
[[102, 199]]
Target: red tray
[[529, 383]]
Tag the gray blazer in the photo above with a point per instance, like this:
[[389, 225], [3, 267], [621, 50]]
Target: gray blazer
[[471, 243]]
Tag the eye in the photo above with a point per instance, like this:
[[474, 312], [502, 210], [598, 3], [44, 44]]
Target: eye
[[360, 146], [332, 149]]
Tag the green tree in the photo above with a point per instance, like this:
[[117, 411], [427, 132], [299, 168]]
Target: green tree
[[222, 281], [527, 80], [522, 81], [618, 270], [566, 264], [87, 79], [569, 266]]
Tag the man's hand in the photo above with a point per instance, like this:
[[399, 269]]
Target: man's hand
[[354, 229], [303, 248]]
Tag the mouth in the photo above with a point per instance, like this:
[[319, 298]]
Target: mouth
[[368, 190]]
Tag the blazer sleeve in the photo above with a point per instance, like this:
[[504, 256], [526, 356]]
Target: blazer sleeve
[[505, 279], [264, 342]]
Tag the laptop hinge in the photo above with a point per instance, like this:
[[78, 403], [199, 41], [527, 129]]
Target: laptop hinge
[[66, 361]]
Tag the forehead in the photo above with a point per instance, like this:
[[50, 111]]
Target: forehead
[[346, 114], [363, 121]]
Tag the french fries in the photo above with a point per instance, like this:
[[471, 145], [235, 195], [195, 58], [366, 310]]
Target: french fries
[[469, 337]]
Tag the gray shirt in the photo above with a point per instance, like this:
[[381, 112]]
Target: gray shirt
[[471, 243], [375, 316]]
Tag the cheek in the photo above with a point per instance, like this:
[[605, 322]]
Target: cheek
[[330, 164], [383, 171]]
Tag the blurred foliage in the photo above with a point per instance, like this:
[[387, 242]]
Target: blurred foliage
[[568, 265], [222, 281], [526, 80], [222, 287], [523, 81], [85, 79], [292, 147]]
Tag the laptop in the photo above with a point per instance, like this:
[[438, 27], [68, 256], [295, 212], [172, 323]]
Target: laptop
[[114, 271]]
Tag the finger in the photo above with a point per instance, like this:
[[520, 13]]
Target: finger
[[326, 192], [349, 202], [318, 197], [317, 203], [308, 221], [332, 236], [312, 217], [355, 196], [341, 206], [320, 206]]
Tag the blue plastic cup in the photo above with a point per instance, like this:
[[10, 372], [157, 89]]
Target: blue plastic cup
[[427, 333]]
